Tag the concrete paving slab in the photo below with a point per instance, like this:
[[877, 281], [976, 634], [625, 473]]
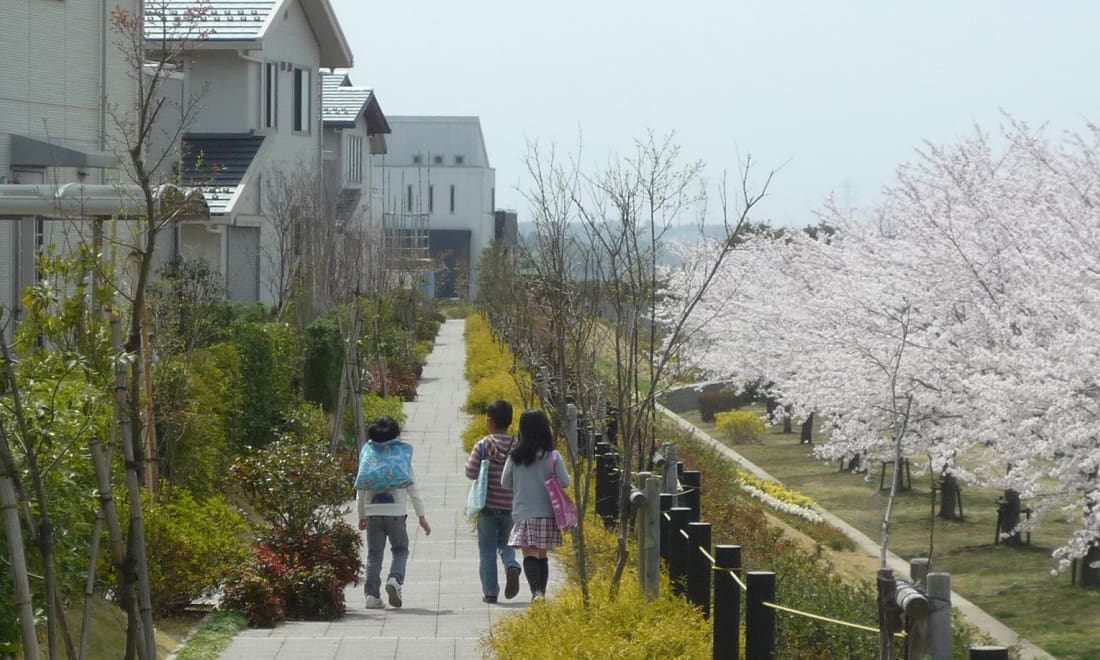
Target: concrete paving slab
[[443, 616]]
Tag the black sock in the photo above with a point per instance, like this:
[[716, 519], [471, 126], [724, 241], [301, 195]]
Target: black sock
[[544, 573], [533, 571]]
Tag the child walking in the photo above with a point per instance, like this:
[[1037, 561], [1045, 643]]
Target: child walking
[[494, 522], [383, 514], [525, 472]]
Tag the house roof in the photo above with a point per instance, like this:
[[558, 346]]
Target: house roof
[[216, 163], [449, 136], [216, 21], [220, 22], [342, 104]]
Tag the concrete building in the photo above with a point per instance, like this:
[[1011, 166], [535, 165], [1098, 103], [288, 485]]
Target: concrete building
[[437, 168]]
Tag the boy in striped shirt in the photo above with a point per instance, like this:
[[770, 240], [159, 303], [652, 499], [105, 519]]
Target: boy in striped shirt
[[494, 522]]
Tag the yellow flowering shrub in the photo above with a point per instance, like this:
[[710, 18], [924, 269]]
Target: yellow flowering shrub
[[740, 426]]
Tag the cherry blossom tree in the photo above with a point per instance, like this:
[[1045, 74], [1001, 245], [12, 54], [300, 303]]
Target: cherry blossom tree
[[961, 320]]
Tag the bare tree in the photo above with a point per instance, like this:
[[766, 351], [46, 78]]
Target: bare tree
[[154, 43]]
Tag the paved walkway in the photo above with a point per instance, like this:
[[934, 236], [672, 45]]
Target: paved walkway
[[443, 616]]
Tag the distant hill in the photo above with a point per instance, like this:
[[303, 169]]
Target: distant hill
[[676, 234]]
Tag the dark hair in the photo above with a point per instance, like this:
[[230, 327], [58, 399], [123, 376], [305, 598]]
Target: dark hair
[[534, 439], [383, 429], [500, 411]]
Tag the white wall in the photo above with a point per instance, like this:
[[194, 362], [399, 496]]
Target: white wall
[[50, 70], [472, 211]]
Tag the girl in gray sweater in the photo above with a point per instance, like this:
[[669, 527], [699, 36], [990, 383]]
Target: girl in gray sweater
[[525, 472]]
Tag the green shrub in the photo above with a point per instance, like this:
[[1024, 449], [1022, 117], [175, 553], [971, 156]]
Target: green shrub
[[296, 485], [324, 359], [740, 426], [378, 406], [195, 544], [197, 401], [269, 364]]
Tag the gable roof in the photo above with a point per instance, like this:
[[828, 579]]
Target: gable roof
[[342, 104], [444, 135], [216, 163], [215, 21], [218, 23]]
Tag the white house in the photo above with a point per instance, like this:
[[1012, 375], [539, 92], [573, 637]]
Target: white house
[[255, 70], [437, 167], [58, 64], [355, 129]]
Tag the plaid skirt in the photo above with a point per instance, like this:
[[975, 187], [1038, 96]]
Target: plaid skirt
[[541, 533]]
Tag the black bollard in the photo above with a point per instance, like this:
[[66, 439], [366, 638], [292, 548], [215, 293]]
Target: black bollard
[[692, 496], [666, 504], [760, 619], [678, 551], [699, 569], [727, 603]]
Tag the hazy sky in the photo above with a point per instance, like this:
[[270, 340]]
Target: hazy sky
[[840, 92]]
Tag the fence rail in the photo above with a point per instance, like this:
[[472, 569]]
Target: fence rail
[[714, 582]]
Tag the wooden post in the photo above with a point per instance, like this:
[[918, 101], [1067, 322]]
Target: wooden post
[[939, 618], [670, 484], [918, 571], [727, 603], [889, 621], [759, 619], [691, 497], [699, 569], [652, 552], [666, 505], [614, 482], [988, 653], [640, 505], [571, 429], [678, 552]]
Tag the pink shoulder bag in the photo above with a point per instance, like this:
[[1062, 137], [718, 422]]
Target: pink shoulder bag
[[565, 512]]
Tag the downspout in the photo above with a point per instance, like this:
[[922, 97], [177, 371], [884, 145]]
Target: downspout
[[102, 84]]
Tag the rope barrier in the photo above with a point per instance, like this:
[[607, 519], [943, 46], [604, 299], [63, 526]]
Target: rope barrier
[[789, 610], [810, 615], [733, 574]]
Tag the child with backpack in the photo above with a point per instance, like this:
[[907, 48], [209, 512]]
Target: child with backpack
[[384, 487]]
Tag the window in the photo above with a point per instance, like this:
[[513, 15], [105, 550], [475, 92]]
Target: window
[[353, 159], [459, 160], [416, 159], [409, 197], [301, 100], [438, 160], [431, 199], [452, 198], [271, 94], [492, 199]]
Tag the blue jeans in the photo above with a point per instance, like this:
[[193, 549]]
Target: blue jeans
[[379, 529], [493, 528]]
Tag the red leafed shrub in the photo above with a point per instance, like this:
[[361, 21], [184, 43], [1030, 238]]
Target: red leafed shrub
[[301, 575], [252, 593]]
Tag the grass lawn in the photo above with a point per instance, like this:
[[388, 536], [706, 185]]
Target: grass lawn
[[1014, 584]]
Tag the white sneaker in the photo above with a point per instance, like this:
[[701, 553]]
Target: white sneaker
[[374, 603], [393, 590]]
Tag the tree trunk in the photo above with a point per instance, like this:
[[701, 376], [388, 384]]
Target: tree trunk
[[136, 573], [949, 497], [23, 604], [1090, 576], [806, 436], [1009, 510]]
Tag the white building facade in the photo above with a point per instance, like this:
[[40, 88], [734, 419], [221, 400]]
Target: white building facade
[[437, 167]]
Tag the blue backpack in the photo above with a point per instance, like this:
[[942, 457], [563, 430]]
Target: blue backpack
[[385, 465]]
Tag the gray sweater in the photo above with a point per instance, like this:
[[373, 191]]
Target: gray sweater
[[528, 484]]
